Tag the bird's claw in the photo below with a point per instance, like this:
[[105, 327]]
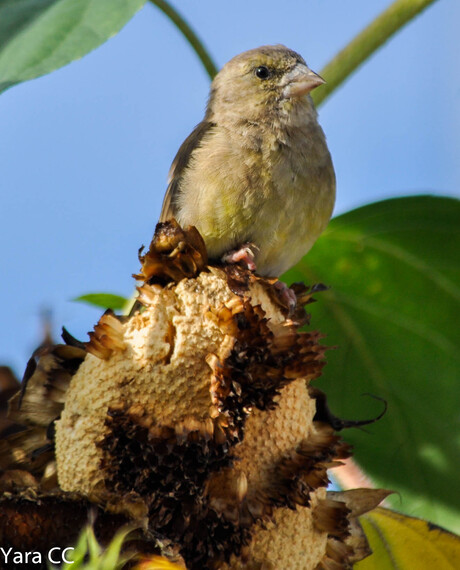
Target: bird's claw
[[244, 253], [287, 296]]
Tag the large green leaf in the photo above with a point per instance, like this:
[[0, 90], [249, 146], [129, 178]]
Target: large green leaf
[[38, 36], [393, 312]]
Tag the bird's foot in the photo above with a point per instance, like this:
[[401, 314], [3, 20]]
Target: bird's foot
[[244, 253], [287, 296]]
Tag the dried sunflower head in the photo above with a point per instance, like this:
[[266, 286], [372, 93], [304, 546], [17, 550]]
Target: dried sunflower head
[[193, 417]]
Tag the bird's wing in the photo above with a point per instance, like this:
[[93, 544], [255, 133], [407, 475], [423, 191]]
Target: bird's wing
[[178, 166]]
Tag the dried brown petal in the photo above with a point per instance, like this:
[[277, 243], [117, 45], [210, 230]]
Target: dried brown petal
[[43, 392], [357, 542], [107, 337], [332, 517], [360, 501], [9, 384], [17, 479], [238, 278], [174, 253]]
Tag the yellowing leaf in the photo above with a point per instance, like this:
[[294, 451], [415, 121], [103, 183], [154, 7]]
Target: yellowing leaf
[[406, 543]]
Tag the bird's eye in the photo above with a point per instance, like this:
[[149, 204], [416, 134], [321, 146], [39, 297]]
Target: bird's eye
[[262, 72]]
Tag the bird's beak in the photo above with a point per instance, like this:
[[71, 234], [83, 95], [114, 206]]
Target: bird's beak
[[300, 81]]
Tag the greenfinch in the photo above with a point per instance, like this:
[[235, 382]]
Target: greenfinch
[[255, 176]]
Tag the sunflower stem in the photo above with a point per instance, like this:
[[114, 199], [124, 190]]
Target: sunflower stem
[[192, 38], [366, 43]]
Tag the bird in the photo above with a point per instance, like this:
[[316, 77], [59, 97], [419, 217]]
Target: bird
[[255, 177]]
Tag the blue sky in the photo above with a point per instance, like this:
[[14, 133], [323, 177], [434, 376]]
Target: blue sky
[[85, 151]]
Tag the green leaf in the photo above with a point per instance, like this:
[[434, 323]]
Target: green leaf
[[77, 555], [104, 300], [88, 554], [405, 543], [38, 36], [112, 556], [393, 310]]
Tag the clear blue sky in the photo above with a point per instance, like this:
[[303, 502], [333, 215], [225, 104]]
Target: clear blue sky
[[85, 151]]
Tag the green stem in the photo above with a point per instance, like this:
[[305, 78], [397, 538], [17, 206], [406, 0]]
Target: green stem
[[189, 34], [365, 43]]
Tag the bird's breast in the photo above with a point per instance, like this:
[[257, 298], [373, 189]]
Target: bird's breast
[[258, 188]]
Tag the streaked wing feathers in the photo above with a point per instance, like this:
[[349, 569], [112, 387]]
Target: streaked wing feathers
[[178, 166]]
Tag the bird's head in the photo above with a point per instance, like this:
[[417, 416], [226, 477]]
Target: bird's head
[[255, 81]]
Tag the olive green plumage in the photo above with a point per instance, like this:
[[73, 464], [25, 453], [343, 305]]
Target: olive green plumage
[[257, 168]]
